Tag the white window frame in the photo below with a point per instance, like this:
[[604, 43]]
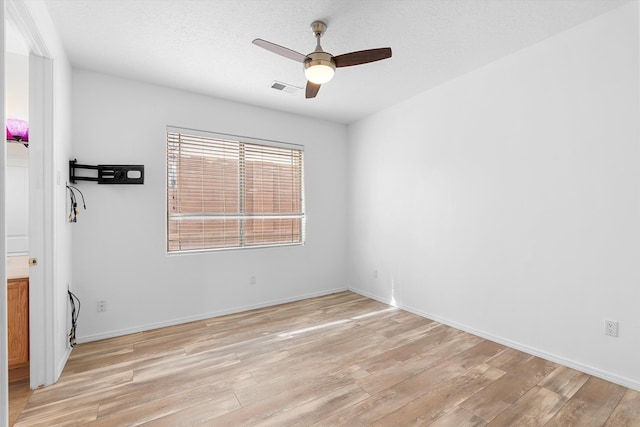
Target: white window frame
[[170, 171]]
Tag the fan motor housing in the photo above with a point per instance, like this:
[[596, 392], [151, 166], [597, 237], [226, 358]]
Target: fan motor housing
[[319, 58]]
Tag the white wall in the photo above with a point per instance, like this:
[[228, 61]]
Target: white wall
[[56, 183], [119, 241], [507, 202]]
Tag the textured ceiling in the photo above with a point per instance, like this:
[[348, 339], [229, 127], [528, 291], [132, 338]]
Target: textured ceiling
[[205, 46]]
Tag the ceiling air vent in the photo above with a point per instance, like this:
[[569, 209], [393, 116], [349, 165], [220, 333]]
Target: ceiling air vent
[[285, 87]]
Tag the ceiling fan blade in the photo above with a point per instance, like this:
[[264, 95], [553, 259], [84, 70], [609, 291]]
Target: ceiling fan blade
[[311, 90], [280, 50], [362, 57]]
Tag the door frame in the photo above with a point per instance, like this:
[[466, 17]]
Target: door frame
[[4, 356], [41, 225]]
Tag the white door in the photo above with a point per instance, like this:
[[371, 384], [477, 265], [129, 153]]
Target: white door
[[41, 316]]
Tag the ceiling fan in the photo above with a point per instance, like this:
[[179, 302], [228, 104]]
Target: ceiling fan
[[320, 66]]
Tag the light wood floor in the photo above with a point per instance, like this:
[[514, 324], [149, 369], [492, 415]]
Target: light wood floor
[[341, 359]]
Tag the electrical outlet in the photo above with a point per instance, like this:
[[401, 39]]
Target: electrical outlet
[[253, 280], [611, 328], [102, 306]]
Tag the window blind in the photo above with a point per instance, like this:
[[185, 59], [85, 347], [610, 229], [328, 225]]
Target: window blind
[[225, 193]]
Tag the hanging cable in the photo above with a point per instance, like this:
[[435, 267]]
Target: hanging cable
[[74, 318], [73, 201], [72, 187]]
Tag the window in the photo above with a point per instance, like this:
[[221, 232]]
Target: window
[[224, 192]]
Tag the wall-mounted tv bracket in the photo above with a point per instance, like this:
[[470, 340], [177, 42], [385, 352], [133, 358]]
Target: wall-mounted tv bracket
[[108, 174]]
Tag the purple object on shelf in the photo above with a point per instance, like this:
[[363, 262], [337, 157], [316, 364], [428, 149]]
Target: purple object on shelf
[[17, 130]]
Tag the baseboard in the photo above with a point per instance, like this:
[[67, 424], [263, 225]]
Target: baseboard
[[179, 321], [626, 382]]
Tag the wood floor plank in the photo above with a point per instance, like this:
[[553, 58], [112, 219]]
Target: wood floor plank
[[508, 359], [499, 395], [282, 400], [433, 354], [458, 417], [627, 413], [335, 360], [564, 381], [19, 394], [462, 350], [199, 414], [80, 416], [478, 354], [535, 408], [430, 339], [168, 407], [289, 372], [185, 365], [433, 405], [396, 396], [317, 409], [141, 393], [396, 322], [592, 405], [71, 390], [301, 380]]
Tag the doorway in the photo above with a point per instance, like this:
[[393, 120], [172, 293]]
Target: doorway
[[17, 218], [49, 239]]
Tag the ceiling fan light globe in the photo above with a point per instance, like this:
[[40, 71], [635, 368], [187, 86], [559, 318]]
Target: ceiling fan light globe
[[319, 74], [319, 67]]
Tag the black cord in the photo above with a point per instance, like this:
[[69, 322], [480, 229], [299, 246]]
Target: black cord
[[73, 210], [74, 318], [84, 205]]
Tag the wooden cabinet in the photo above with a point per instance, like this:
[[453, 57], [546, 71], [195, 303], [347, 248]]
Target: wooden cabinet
[[18, 321]]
